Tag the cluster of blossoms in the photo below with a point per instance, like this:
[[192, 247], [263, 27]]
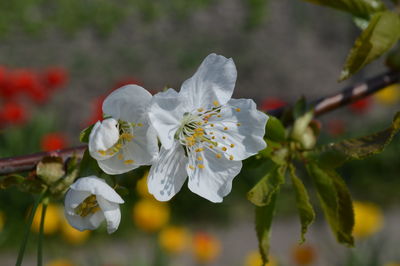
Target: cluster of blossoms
[[203, 132], [16, 84]]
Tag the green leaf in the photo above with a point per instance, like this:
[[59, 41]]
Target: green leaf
[[264, 216], [89, 166], [382, 33], [275, 130], [359, 8], [260, 195], [10, 180], [335, 154], [336, 202], [306, 211], [299, 108], [84, 135]]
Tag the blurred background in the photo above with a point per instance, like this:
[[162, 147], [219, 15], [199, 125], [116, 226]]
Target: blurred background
[[60, 59]]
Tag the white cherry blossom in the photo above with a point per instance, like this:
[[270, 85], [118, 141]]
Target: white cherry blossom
[[125, 140], [90, 201], [204, 133]]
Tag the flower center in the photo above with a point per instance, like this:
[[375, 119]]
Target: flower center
[[191, 130], [88, 206]]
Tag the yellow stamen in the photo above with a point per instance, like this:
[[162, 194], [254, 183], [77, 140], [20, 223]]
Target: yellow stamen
[[238, 124], [211, 146], [139, 124], [213, 137], [223, 137], [199, 149], [103, 153], [87, 206], [218, 115], [231, 157], [225, 128], [212, 125], [237, 109], [201, 166], [128, 161], [216, 103], [200, 110], [200, 158], [232, 145], [120, 156], [218, 155], [191, 167], [224, 148]]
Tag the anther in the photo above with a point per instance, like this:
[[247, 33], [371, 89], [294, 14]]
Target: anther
[[224, 148], [238, 124], [232, 145], [225, 128], [237, 109], [218, 155], [128, 161], [216, 103], [201, 166], [191, 167], [231, 157]]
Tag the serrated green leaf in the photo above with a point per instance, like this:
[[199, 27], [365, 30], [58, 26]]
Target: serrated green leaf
[[382, 33], [359, 8], [306, 211], [335, 154], [84, 135], [336, 202], [264, 216], [260, 195], [275, 130]]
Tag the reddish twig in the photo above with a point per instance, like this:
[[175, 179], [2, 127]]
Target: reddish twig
[[321, 106]]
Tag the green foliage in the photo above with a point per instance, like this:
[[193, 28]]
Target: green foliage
[[382, 33], [275, 130], [256, 11], [336, 202], [358, 8], [306, 211], [261, 194], [393, 59], [335, 154], [264, 216], [84, 135]]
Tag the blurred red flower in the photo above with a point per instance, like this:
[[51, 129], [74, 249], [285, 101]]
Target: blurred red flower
[[53, 141], [55, 77], [361, 106], [271, 104], [336, 127], [13, 113]]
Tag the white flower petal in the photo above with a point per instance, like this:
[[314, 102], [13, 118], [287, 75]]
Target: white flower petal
[[111, 212], [95, 219], [116, 166], [166, 111], [97, 186], [128, 103], [84, 223], [102, 137], [239, 128], [168, 173], [213, 179], [213, 82], [143, 149], [75, 197]]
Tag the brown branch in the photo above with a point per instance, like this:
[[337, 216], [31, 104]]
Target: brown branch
[[321, 106]]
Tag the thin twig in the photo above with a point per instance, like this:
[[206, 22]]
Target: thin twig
[[321, 106]]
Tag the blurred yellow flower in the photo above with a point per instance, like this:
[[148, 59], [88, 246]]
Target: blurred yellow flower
[[368, 219], [254, 259], [173, 239], [52, 220], [303, 254], [60, 262], [72, 235], [389, 95], [141, 187], [2, 221], [150, 215], [206, 247], [392, 264]]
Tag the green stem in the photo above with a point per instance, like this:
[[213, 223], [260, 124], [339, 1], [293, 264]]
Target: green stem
[[40, 242], [28, 230]]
